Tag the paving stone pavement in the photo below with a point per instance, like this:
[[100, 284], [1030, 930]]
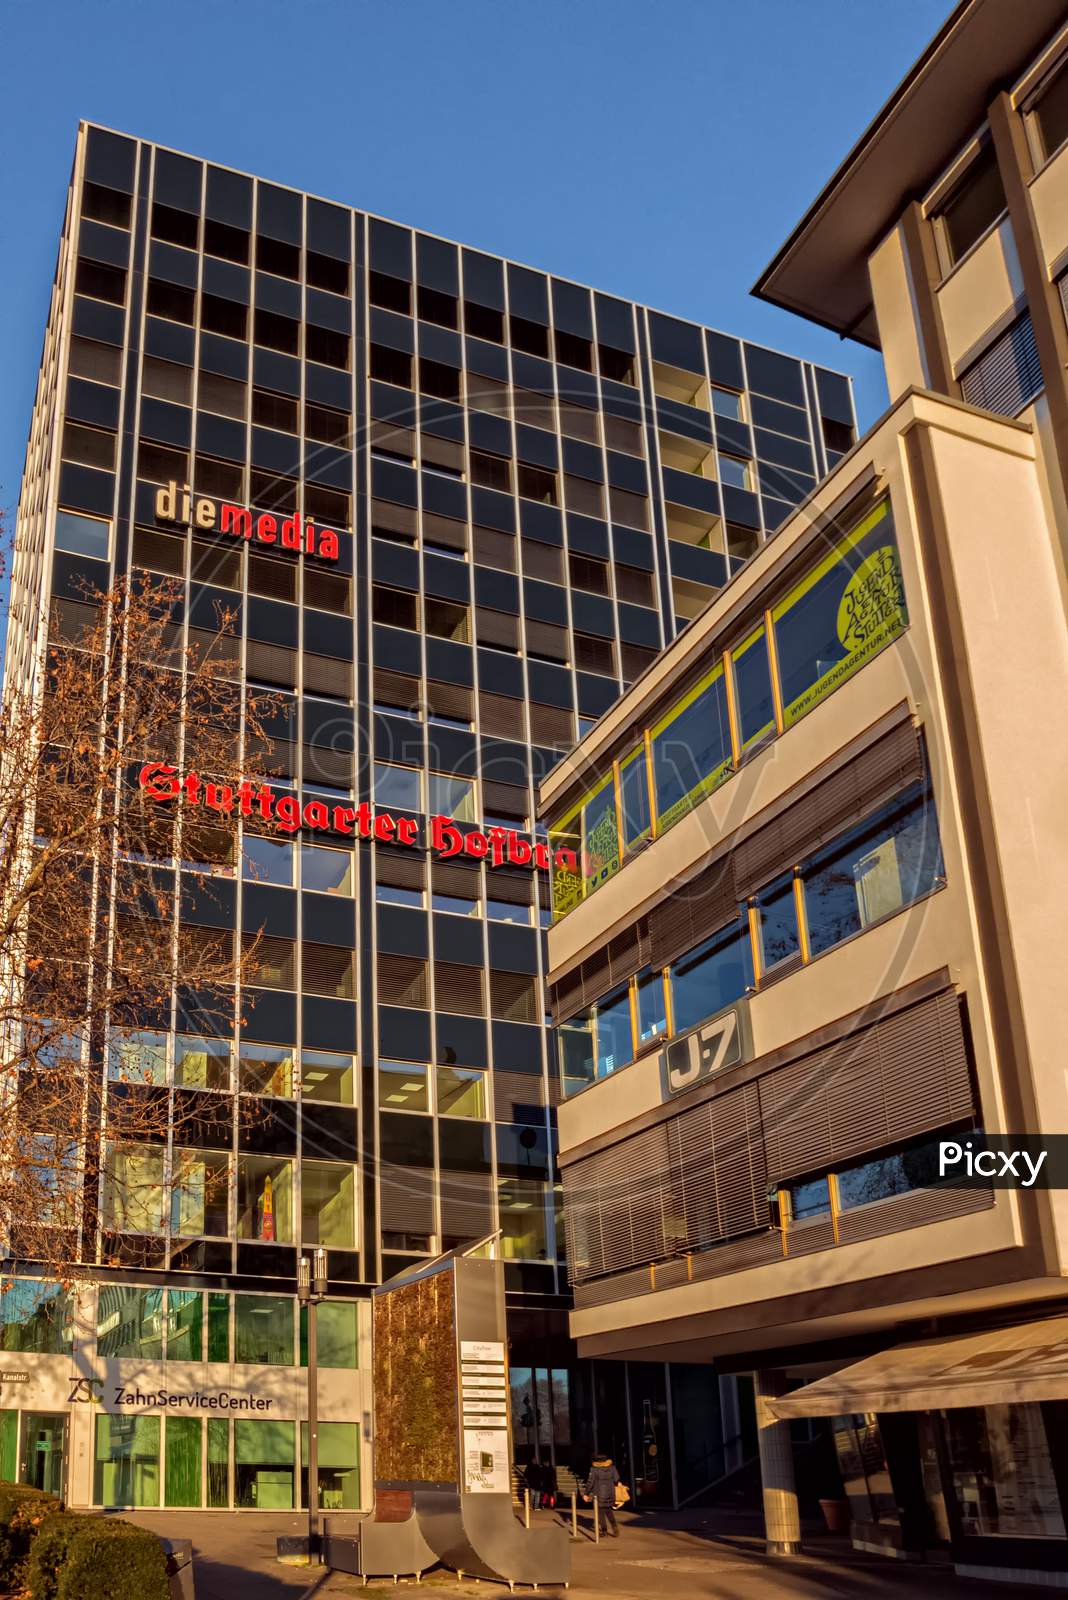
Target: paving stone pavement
[[696, 1555]]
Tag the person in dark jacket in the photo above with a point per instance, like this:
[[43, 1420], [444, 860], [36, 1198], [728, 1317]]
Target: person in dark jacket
[[601, 1489]]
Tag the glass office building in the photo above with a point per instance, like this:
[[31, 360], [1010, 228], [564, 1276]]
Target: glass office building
[[533, 487]]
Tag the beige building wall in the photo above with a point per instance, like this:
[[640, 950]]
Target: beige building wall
[[983, 693]]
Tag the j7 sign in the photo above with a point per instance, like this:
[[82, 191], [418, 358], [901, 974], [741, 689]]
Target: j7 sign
[[499, 846]]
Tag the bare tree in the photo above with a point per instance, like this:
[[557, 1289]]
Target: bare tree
[[94, 954]]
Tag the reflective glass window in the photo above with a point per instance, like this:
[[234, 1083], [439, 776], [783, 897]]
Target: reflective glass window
[[840, 614], [691, 748]]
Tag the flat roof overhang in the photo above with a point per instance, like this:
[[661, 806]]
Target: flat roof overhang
[[821, 272], [1021, 1364]]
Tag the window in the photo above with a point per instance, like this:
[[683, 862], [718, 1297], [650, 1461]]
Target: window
[[650, 1007], [338, 1336], [888, 861], [975, 204], [278, 411], [272, 962], [714, 975], [101, 282], [101, 363], [266, 1069], [776, 908], [166, 380], [808, 1199], [138, 1058], [530, 337], [594, 654], [483, 322], [126, 1461], [632, 509], [491, 472], [521, 1210], [735, 472], [275, 332], [328, 1204], [691, 748], [915, 1167], [616, 364], [202, 1063], [392, 294], [327, 426], [129, 1323], [171, 301], [337, 1458], [450, 797], [403, 1086], [534, 483], [591, 831], [277, 256], [1051, 111], [586, 573], [619, 434], [752, 690], [266, 860], [133, 1189], [326, 871], [395, 607], [454, 905], [446, 620], [728, 403], [329, 348], [265, 1199], [35, 1316], [263, 1330], [583, 496], [226, 242], [106, 205], [328, 970], [326, 592], [91, 447], [634, 797], [83, 536], [218, 315], [844, 610], [596, 1042], [402, 981], [200, 1197], [395, 894], [264, 1465], [435, 378], [327, 1077], [461, 1092], [185, 1325], [222, 395], [433, 306], [397, 788], [1008, 375]]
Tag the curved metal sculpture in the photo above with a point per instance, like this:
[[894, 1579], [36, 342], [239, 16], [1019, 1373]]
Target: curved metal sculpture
[[443, 1447]]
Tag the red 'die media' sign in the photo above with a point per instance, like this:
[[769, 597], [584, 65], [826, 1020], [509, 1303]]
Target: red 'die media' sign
[[499, 846], [300, 536]]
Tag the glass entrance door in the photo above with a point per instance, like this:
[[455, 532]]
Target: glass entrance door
[[44, 1440]]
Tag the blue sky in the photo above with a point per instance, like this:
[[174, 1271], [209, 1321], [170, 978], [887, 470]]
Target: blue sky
[[660, 149]]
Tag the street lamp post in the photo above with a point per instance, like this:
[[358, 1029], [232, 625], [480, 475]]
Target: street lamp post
[[311, 1288]]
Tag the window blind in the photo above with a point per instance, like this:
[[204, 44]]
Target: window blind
[[1008, 375]]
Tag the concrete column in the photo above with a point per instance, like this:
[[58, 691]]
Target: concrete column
[[782, 1525]]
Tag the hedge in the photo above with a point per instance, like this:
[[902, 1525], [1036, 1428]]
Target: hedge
[[22, 1511], [108, 1559], [66, 1555]]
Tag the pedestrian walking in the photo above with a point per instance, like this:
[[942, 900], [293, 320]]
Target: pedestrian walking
[[601, 1489]]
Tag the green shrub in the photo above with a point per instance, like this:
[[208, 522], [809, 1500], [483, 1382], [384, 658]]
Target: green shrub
[[49, 1552], [108, 1559], [22, 1510]]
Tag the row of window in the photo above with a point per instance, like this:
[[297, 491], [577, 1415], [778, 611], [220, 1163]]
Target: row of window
[[848, 605], [197, 1062], [247, 1463], [860, 1183], [875, 869], [194, 1195], [178, 1325]]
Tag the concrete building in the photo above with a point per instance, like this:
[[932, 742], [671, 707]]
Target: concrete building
[[814, 935], [532, 487]]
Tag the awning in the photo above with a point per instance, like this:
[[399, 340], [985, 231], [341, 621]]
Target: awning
[[1028, 1361]]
